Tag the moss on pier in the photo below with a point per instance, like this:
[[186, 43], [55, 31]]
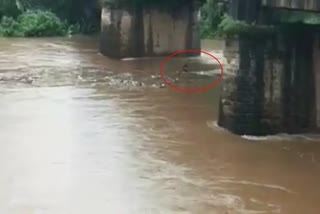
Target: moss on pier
[[231, 27], [300, 17]]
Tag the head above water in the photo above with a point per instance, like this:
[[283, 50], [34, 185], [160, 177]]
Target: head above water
[[185, 67]]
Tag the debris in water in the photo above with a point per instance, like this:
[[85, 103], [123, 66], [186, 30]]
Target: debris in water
[[156, 76], [162, 85]]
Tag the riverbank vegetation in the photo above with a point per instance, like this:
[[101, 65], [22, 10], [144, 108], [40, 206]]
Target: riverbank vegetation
[[29, 18], [34, 23], [34, 18], [232, 28], [212, 14]]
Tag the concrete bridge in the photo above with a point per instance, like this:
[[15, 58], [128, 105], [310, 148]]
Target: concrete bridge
[[276, 83], [150, 30], [306, 5], [275, 87]]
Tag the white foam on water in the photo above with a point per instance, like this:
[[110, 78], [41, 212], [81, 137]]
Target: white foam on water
[[283, 137], [214, 125], [250, 183], [207, 73], [130, 59], [139, 58], [276, 137]]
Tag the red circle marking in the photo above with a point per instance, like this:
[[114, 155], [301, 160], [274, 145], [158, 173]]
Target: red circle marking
[[185, 89]]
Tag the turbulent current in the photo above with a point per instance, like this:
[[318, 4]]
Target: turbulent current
[[81, 133]]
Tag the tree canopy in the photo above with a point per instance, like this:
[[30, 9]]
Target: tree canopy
[[78, 15]]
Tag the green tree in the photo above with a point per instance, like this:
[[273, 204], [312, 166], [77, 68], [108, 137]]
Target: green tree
[[211, 16], [83, 15]]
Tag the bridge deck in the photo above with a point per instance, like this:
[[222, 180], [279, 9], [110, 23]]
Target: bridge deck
[[311, 5]]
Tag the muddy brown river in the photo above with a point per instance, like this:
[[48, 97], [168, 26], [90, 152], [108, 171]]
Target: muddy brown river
[[84, 134]]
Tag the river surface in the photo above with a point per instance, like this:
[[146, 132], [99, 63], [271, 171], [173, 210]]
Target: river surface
[[84, 134]]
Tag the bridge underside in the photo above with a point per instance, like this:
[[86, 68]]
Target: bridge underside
[[275, 87], [309, 5]]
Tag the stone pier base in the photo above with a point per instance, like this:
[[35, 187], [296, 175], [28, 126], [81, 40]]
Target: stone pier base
[[139, 32], [275, 88]]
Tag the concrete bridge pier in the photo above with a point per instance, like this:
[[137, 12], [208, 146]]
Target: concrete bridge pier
[[139, 31], [241, 103], [274, 86]]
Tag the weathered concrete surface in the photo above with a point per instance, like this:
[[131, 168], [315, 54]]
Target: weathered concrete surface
[[316, 69], [299, 86], [275, 87], [313, 5], [241, 104], [245, 10], [141, 32]]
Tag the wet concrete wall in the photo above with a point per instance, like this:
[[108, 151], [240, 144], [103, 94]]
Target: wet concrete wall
[[241, 103], [245, 10], [316, 68], [299, 101], [140, 32], [274, 88]]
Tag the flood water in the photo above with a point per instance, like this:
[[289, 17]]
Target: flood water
[[84, 134]]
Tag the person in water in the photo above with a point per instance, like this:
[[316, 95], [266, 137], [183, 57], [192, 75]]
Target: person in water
[[183, 70]]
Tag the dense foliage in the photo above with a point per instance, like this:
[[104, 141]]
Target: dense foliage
[[230, 27], [33, 23], [48, 17], [211, 16], [61, 17], [295, 17]]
